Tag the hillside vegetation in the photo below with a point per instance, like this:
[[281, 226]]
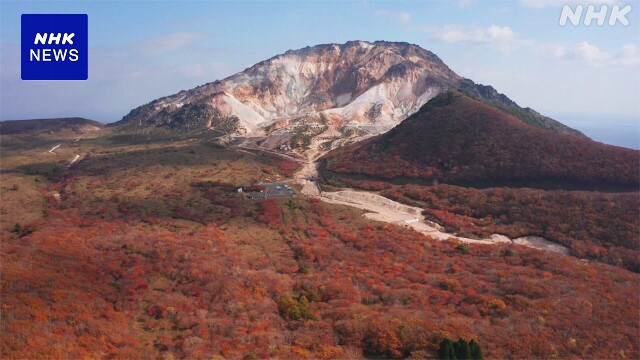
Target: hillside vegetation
[[479, 171], [145, 249], [455, 139]]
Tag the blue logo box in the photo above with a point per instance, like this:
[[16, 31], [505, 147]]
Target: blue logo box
[[54, 47]]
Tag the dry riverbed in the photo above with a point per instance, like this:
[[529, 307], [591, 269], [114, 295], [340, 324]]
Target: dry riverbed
[[386, 210]]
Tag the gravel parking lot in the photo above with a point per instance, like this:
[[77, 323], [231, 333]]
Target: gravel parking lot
[[272, 191]]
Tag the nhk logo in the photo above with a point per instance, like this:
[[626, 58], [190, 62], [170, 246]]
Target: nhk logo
[[617, 15], [58, 54], [54, 47]]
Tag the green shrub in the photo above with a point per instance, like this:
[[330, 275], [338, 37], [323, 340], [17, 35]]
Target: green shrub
[[462, 248], [294, 308], [459, 350]]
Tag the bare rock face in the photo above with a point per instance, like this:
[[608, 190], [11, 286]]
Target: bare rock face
[[335, 90]]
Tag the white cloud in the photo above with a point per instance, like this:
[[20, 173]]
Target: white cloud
[[169, 43], [629, 55], [456, 34], [539, 4], [592, 55], [398, 16]]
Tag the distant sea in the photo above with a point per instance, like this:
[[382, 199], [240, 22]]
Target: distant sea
[[619, 132]]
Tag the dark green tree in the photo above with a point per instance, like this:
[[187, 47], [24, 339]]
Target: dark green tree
[[462, 248], [461, 349], [476, 353], [446, 352]]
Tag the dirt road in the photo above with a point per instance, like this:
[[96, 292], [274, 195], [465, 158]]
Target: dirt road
[[386, 210]]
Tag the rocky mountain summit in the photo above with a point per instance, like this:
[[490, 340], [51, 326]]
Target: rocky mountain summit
[[331, 91]]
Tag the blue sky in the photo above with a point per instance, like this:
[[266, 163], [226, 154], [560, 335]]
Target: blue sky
[[142, 50]]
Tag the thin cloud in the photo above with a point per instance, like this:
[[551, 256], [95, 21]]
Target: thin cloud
[[397, 16], [629, 55], [456, 34], [592, 55]]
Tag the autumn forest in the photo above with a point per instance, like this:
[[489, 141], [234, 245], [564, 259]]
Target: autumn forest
[[144, 249]]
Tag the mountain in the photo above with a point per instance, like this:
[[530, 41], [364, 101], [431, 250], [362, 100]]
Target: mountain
[[76, 124], [459, 140], [144, 248], [359, 88]]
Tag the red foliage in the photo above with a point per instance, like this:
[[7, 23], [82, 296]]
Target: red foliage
[[598, 226], [123, 208], [464, 141], [270, 213], [373, 289], [287, 167], [87, 284]]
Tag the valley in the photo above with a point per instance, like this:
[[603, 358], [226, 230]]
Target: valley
[[389, 211]]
